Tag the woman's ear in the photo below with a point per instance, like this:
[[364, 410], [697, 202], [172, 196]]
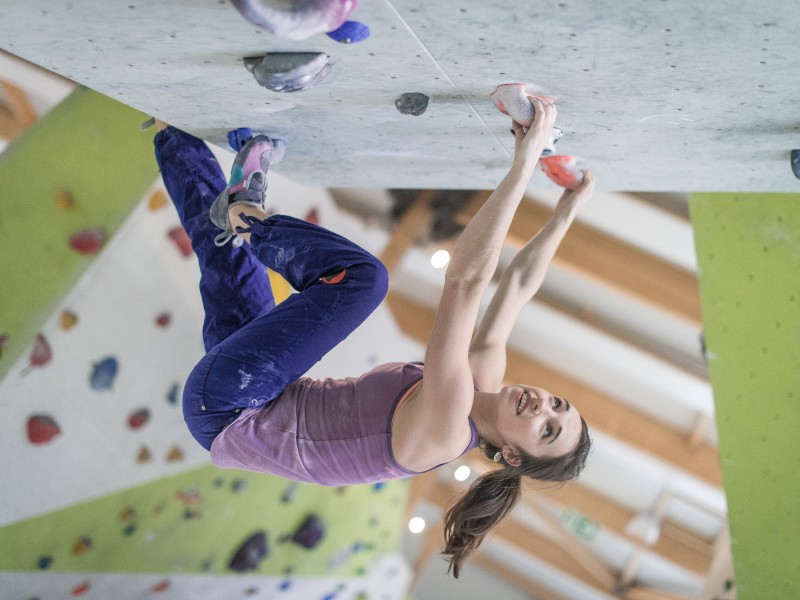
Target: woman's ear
[[512, 456]]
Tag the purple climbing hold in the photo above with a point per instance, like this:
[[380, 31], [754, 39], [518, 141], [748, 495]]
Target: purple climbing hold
[[310, 532], [796, 163], [239, 137], [296, 19], [288, 71], [412, 103], [350, 32], [251, 553]]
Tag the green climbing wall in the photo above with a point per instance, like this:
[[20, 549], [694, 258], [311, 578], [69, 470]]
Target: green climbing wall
[[91, 147], [748, 249], [195, 522]]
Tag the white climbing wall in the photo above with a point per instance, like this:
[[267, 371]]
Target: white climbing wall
[[671, 95]]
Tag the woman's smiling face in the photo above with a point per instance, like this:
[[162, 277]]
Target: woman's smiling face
[[531, 419]]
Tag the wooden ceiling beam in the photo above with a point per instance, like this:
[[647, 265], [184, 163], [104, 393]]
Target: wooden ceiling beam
[[16, 112], [599, 410], [598, 256], [408, 228], [527, 584]]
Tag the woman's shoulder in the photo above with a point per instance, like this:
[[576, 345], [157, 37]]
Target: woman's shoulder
[[420, 443]]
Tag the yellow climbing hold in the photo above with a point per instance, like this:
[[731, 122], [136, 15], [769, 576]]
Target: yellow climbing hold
[[175, 454], [65, 200], [68, 320], [157, 201], [144, 455]]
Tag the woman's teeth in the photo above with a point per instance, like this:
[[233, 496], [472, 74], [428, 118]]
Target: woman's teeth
[[523, 402]]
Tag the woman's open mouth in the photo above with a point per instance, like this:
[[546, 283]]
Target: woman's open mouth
[[523, 402]]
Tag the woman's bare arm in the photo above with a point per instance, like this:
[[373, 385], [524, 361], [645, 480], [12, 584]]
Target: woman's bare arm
[[448, 383], [519, 282]]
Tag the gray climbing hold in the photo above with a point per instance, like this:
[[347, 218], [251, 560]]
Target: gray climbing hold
[[288, 71], [796, 163], [412, 103]]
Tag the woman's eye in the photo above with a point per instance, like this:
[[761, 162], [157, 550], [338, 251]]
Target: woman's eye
[[557, 403], [547, 431]]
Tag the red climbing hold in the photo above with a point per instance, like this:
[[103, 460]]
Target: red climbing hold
[[41, 354], [88, 241], [138, 418], [164, 319], [181, 239], [562, 170], [161, 586], [42, 429], [312, 216], [81, 589]]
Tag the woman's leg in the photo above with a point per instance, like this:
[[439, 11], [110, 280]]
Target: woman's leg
[[234, 285], [339, 284]]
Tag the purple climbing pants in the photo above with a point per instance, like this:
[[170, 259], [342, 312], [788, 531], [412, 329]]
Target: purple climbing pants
[[255, 348]]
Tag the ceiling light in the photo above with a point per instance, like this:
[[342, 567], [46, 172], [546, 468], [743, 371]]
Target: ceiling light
[[440, 258], [416, 525], [461, 473]]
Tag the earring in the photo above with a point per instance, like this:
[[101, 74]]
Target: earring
[[497, 456]]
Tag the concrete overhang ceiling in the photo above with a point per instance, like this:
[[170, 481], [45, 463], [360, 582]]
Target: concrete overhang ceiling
[[673, 95]]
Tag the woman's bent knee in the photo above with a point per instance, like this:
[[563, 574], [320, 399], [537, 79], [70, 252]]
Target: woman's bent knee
[[378, 280]]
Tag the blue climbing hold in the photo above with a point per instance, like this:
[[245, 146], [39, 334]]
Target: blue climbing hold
[[172, 394], [104, 373], [239, 137], [795, 158], [350, 32]]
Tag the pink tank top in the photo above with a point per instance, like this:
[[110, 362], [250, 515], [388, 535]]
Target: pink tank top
[[330, 431]]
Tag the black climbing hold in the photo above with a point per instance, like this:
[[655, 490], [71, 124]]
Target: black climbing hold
[[288, 71], [310, 532], [412, 103], [796, 163], [251, 553]]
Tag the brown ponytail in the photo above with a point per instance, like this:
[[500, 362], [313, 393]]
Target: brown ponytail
[[492, 496]]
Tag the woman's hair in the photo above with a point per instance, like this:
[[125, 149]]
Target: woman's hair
[[492, 496]]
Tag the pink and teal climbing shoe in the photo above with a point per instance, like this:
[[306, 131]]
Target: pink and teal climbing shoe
[[248, 183]]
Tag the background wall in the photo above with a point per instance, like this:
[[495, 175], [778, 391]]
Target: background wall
[[104, 490]]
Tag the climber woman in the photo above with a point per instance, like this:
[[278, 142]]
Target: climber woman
[[247, 400]]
